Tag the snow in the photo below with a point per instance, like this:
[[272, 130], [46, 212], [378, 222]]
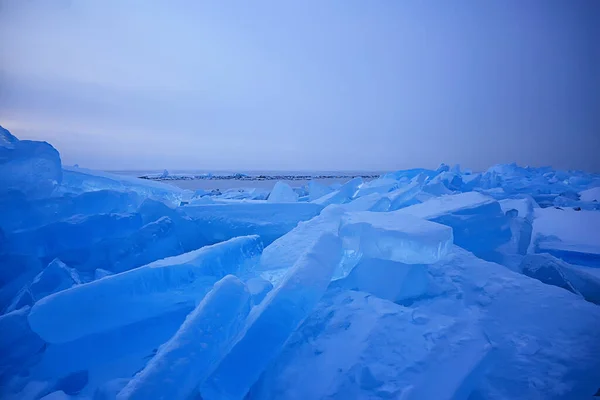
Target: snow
[[282, 193], [187, 359], [567, 234], [157, 288], [417, 284], [592, 194], [273, 321]]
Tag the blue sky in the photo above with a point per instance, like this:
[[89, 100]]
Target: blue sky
[[304, 85]]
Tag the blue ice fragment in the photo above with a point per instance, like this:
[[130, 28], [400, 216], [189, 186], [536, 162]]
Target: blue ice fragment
[[30, 167], [317, 190], [154, 289], [70, 239], [546, 270], [284, 252], [18, 343], [392, 236], [270, 323], [269, 220], [478, 222], [187, 359], [258, 288], [387, 279], [343, 195], [54, 278], [282, 193]]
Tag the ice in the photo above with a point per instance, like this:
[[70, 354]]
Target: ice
[[553, 271], [145, 292], [394, 236], [317, 190], [78, 180], [58, 395], [525, 206], [343, 195], [380, 186], [546, 270], [478, 223], [287, 250], [388, 280], [258, 288], [369, 202], [271, 323], [100, 273], [70, 239], [29, 167], [16, 273], [567, 234], [590, 195], [187, 359], [167, 232], [18, 343], [357, 346], [405, 196], [269, 220], [111, 355], [282, 193], [28, 213], [54, 278]]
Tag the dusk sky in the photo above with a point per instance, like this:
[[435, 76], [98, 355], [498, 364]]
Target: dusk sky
[[304, 85]]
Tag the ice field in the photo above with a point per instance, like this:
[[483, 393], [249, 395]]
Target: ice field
[[419, 284]]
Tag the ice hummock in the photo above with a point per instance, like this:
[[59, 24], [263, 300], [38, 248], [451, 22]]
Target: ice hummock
[[28, 167], [273, 321], [375, 325], [145, 292], [187, 359]]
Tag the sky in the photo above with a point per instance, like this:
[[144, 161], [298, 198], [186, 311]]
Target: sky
[[304, 85]]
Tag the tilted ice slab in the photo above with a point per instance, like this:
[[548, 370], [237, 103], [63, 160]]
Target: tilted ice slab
[[140, 293], [573, 236], [282, 193], [478, 222], [287, 250], [270, 324], [79, 180], [343, 195], [395, 236], [187, 359], [269, 220]]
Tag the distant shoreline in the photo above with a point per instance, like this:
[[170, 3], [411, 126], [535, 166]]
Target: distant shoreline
[[243, 177]]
